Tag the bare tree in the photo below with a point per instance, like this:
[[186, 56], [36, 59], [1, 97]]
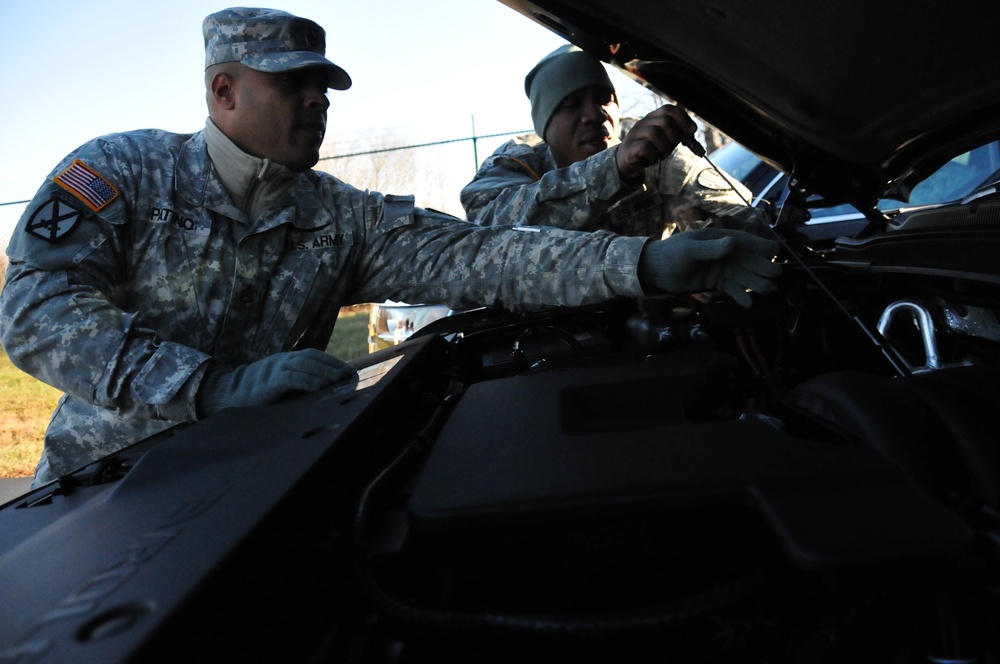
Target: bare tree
[[385, 163], [390, 167]]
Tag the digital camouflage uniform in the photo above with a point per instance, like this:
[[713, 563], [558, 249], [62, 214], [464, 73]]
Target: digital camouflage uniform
[[132, 268], [521, 181]]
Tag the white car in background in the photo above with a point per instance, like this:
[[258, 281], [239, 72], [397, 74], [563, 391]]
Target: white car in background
[[390, 323]]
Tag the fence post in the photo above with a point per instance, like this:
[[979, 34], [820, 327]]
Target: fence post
[[475, 145]]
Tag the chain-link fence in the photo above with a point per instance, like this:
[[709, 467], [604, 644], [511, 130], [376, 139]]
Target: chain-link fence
[[434, 172]]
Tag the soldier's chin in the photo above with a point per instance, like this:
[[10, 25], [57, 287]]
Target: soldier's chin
[[593, 147], [302, 162]]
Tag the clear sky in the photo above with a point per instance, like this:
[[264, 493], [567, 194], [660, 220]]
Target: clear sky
[[424, 69]]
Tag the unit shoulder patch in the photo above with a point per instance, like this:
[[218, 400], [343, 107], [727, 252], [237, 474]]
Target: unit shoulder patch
[[54, 220]]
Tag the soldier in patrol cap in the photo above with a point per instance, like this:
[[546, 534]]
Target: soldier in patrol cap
[[157, 278], [576, 171]]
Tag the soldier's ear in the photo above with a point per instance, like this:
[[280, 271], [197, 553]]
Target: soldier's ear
[[221, 89]]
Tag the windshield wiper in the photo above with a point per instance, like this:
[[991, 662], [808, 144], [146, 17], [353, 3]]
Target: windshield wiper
[[982, 192]]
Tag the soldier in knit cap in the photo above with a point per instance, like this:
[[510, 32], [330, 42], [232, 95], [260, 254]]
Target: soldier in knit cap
[[157, 278], [576, 171]]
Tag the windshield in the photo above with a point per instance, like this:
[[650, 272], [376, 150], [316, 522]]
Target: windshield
[[959, 177], [736, 160], [953, 181]]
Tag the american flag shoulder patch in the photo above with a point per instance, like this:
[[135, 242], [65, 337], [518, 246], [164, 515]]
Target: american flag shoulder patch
[[87, 184]]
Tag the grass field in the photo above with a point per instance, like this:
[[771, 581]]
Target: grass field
[[28, 403], [350, 337]]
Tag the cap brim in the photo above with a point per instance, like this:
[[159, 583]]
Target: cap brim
[[289, 61]]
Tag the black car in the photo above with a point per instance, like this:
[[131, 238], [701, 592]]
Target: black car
[[813, 479]]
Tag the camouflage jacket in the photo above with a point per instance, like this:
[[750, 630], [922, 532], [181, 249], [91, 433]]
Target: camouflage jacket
[[520, 181], [131, 269]]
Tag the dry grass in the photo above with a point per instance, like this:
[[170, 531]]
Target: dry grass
[[28, 403]]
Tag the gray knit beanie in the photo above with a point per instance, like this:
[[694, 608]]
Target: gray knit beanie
[[558, 75]]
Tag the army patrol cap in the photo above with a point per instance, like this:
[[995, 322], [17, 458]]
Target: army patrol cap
[[558, 75], [268, 40]]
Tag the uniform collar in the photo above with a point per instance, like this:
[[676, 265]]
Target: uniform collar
[[199, 184]]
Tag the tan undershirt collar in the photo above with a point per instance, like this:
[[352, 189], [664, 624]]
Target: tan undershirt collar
[[254, 184]]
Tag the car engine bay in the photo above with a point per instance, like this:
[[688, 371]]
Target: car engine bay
[[812, 479]]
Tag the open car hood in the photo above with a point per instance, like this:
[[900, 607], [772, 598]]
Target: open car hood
[[857, 100]]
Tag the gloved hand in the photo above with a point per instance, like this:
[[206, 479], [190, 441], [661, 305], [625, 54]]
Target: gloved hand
[[730, 261], [267, 380]]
